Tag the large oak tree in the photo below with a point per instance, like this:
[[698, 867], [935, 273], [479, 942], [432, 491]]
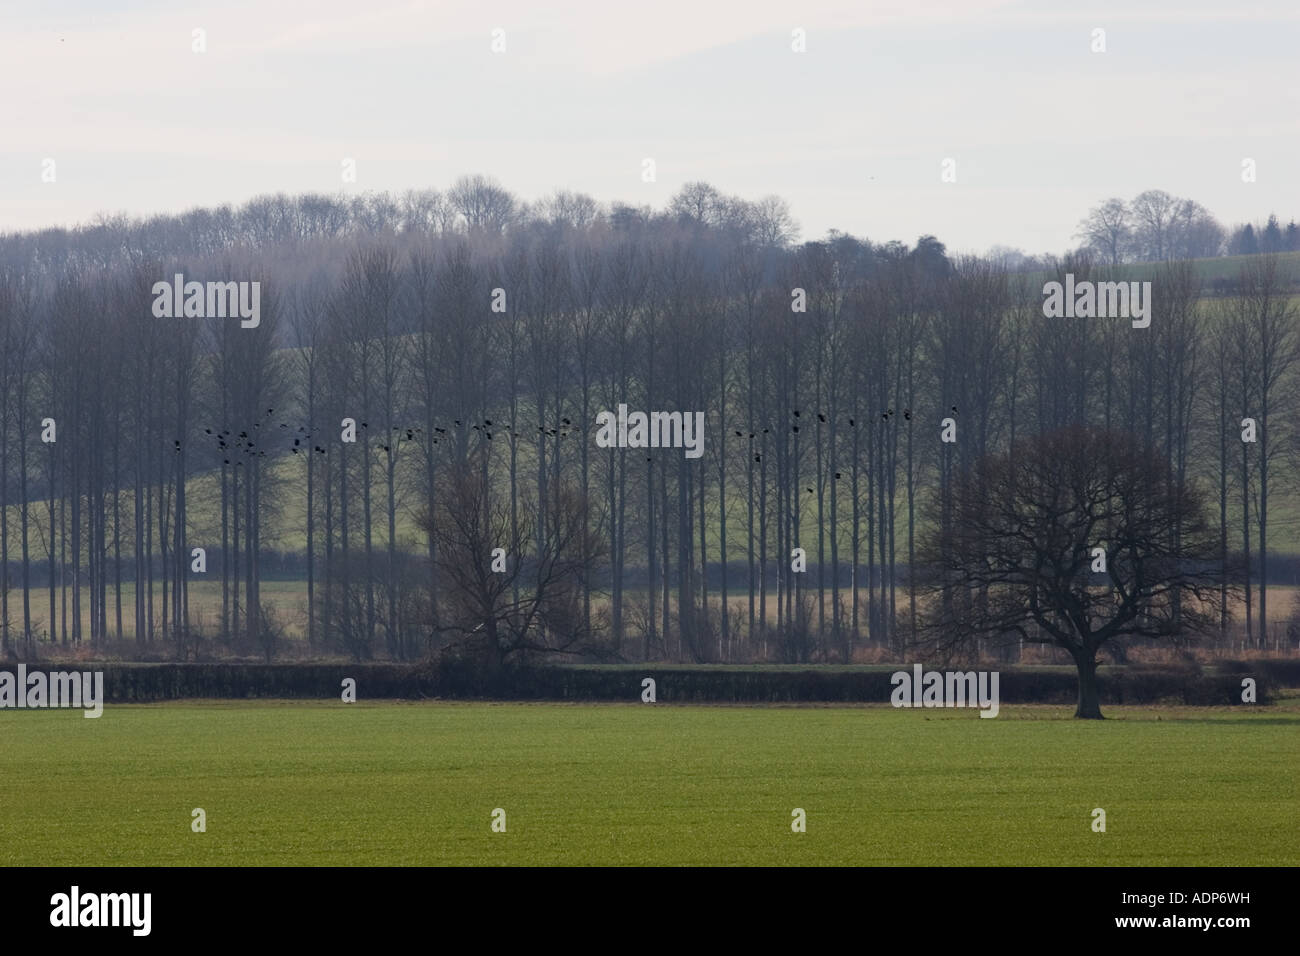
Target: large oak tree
[[1017, 556]]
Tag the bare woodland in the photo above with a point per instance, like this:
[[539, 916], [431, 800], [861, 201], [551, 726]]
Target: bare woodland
[[474, 426]]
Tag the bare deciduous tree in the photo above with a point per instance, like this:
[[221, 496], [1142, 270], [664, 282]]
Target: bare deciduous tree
[[1017, 559], [478, 602]]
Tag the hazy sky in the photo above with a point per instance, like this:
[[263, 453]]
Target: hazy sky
[[852, 132]]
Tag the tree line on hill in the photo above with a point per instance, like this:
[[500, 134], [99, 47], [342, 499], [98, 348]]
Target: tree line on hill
[[1155, 226], [472, 340]]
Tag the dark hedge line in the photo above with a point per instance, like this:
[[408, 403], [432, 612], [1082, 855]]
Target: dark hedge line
[[1281, 672], [460, 679]]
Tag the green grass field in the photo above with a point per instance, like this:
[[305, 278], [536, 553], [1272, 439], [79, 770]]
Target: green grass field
[[416, 783]]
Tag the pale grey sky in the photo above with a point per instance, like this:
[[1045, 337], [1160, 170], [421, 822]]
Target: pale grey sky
[[852, 132]]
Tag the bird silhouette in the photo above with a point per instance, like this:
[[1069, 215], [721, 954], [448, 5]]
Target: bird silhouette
[[821, 417]]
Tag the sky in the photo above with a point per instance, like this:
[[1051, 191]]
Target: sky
[[853, 132]]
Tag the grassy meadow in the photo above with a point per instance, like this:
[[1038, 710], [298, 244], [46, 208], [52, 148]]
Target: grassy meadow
[[416, 783]]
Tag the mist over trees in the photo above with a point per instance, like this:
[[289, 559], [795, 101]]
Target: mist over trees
[[471, 339]]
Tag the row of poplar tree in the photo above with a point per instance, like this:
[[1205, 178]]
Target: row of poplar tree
[[467, 333]]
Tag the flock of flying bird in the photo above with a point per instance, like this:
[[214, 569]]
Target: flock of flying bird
[[243, 440]]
